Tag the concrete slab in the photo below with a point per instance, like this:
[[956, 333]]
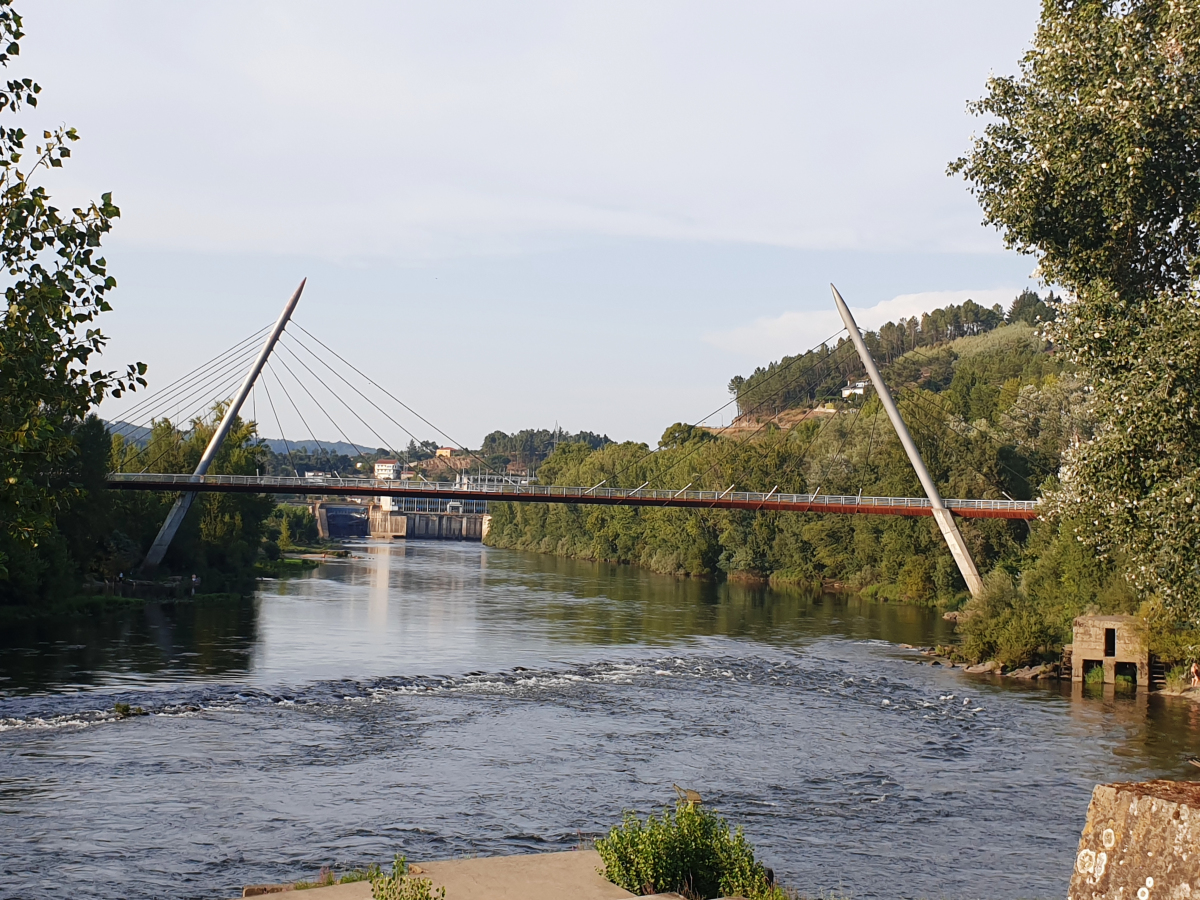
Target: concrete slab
[[570, 875]]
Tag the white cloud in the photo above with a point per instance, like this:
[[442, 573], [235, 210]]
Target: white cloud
[[795, 332]]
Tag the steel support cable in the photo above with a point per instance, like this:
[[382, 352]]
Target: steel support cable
[[838, 452], [918, 395], [384, 443], [229, 385], [338, 428], [987, 434], [820, 429], [933, 431], [951, 418], [862, 483], [746, 439], [813, 365], [216, 391], [234, 366], [303, 421], [384, 391], [181, 408], [344, 380], [168, 395], [925, 420], [988, 479], [776, 374], [279, 425], [170, 391]]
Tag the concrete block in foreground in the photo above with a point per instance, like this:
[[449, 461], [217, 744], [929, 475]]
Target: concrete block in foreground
[[569, 875], [1141, 842]]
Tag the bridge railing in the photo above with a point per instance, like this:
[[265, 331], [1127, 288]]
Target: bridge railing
[[567, 494]]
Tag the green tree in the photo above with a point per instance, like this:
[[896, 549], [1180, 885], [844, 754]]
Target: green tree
[[222, 534], [56, 287], [1090, 163]]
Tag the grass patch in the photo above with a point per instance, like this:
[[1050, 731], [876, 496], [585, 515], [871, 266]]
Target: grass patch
[[327, 878], [1095, 675], [400, 885], [690, 850]]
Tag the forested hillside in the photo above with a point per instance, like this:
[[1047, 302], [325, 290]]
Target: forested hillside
[[991, 412]]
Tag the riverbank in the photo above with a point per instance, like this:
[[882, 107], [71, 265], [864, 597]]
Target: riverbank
[[938, 656], [100, 604], [135, 594]]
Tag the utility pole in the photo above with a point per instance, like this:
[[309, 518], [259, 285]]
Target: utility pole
[[943, 516], [175, 517]]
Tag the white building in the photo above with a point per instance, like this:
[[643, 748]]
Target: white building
[[387, 469], [855, 387]]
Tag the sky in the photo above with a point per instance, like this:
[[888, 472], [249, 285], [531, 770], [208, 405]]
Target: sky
[[512, 215]]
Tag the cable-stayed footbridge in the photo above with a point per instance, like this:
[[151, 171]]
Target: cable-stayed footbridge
[[540, 493], [227, 381]]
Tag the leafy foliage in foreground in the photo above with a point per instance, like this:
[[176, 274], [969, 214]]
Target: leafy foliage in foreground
[[57, 286], [690, 850], [1089, 162]]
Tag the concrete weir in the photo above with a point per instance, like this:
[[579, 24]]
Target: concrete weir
[[1141, 842], [389, 524]]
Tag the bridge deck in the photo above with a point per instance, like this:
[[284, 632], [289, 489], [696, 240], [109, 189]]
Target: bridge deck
[[539, 493]]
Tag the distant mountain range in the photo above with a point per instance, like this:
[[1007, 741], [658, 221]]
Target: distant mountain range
[[139, 434]]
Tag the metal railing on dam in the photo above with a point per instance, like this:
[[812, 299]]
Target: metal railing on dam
[[550, 493]]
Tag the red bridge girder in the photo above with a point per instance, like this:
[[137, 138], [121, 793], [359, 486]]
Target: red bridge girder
[[536, 493]]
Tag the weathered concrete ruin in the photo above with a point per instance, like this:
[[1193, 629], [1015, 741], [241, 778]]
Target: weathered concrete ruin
[[1112, 643]]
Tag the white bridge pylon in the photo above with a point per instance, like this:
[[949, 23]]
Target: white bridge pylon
[[175, 517], [943, 516]]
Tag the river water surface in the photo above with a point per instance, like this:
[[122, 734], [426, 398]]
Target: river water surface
[[437, 700]]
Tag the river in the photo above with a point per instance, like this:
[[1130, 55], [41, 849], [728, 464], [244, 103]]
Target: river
[[437, 699]]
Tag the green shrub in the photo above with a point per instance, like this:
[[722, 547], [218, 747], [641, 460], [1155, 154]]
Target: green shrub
[[399, 885], [689, 850], [1095, 675], [1004, 624], [1179, 679], [327, 878]]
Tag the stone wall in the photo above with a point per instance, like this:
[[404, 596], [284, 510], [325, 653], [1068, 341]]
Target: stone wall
[[1141, 842]]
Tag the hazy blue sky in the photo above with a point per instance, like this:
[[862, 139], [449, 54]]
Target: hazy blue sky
[[513, 214]]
